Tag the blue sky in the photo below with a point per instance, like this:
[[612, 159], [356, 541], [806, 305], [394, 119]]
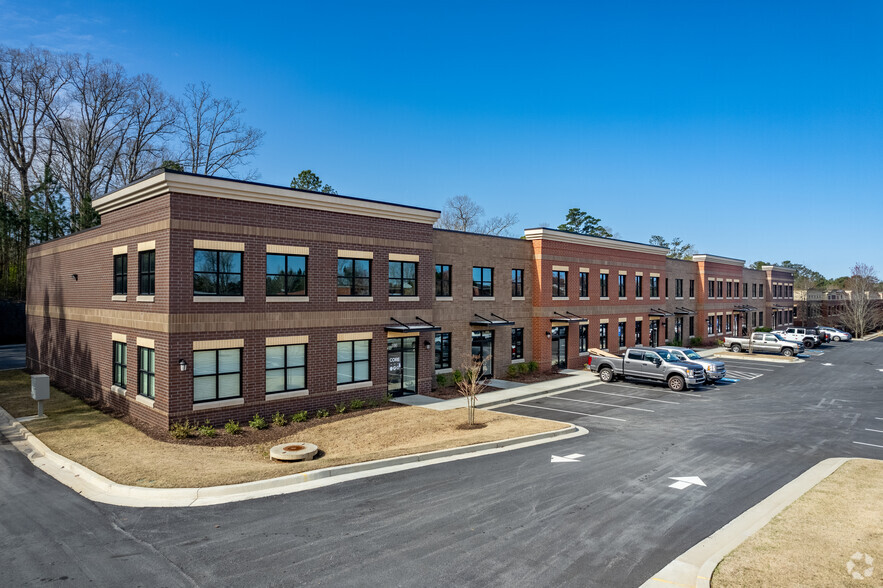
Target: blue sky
[[744, 128]]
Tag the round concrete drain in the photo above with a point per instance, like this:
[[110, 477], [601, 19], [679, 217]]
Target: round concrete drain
[[295, 451]]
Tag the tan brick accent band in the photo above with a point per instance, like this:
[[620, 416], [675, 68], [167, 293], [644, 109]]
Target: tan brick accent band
[[120, 337], [288, 249], [603, 321], [639, 273], [143, 342], [218, 344], [604, 271], [147, 246], [41, 250], [623, 319], [121, 250], [218, 245], [560, 268], [355, 254], [403, 257], [584, 270], [623, 272], [355, 336], [654, 275], [293, 340]]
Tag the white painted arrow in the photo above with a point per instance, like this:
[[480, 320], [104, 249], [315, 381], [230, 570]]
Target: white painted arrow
[[681, 483], [566, 458]]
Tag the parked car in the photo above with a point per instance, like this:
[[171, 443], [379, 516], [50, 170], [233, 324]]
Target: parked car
[[715, 369], [646, 363], [800, 334], [765, 343], [823, 337], [835, 334]]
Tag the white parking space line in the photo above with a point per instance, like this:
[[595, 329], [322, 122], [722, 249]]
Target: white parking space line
[[603, 404], [594, 391], [661, 390], [748, 366], [874, 430], [868, 444], [570, 412], [743, 375], [879, 418]]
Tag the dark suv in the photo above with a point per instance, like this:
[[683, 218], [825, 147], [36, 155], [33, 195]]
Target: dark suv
[[824, 337]]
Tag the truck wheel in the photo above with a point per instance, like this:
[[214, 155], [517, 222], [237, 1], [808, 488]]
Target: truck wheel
[[787, 352], [606, 374], [808, 343], [736, 348], [676, 383]]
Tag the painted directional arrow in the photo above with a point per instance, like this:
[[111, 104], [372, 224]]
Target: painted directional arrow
[[681, 483], [566, 458]]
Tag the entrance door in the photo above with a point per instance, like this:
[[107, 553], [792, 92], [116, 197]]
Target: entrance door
[[559, 347], [483, 348], [401, 358], [654, 333]]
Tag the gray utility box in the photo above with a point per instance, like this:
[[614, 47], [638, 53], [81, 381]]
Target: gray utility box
[[40, 387]]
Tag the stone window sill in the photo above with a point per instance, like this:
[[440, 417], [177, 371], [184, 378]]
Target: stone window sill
[[404, 299], [560, 298], [118, 390], [218, 403], [355, 299], [518, 360], [354, 386], [479, 298], [444, 298], [118, 298], [148, 402], [605, 298], [288, 298], [518, 298], [219, 299], [283, 395], [145, 298]]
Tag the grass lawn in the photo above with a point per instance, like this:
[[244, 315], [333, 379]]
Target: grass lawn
[[125, 455], [812, 541]]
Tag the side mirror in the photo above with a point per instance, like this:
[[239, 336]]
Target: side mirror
[[658, 362]]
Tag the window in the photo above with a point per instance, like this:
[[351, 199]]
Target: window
[[621, 333], [745, 290], [760, 290], [639, 286], [692, 288], [729, 323], [736, 289], [286, 275], [584, 284], [654, 287], [710, 322], [442, 351], [120, 374], [518, 343], [622, 285], [760, 318], [718, 323], [286, 368], [443, 280], [603, 278], [711, 288], [559, 284], [402, 278], [602, 336], [692, 330], [753, 290], [483, 281], [720, 289], [146, 372], [583, 338], [353, 361], [666, 287], [729, 289], [517, 283], [217, 273], [120, 274], [217, 374], [638, 328], [353, 277], [147, 273], [679, 288]]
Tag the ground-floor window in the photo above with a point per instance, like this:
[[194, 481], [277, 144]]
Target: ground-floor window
[[638, 328], [353, 361], [518, 343], [442, 351], [602, 334], [583, 338], [217, 374], [621, 333], [710, 322], [692, 327], [718, 323], [146, 372], [286, 368], [679, 330], [119, 364], [729, 323]]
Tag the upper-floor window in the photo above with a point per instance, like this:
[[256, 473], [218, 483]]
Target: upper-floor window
[[353, 361], [353, 277], [442, 351], [745, 290], [559, 284], [639, 286], [286, 275], [679, 288], [692, 288], [443, 280], [482, 281], [583, 338], [622, 285], [217, 273], [217, 374], [147, 272], [711, 288], [603, 280], [666, 287], [285, 368], [736, 289], [754, 290], [402, 278], [729, 289], [120, 274], [120, 370], [720, 289], [146, 372], [518, 343], [760, 290], [517, 283], [654, 286], [584, 284]]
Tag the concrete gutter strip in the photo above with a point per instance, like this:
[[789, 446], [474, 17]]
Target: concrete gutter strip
[[99, 489], [694, 567]]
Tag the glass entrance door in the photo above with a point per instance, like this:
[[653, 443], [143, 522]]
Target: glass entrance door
[[401, 358], [483, 348], [559, 347]]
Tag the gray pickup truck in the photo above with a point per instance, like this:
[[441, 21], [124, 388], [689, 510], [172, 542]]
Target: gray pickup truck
[[765, 343], [648, 363]]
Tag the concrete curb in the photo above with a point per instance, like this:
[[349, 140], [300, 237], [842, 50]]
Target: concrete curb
[[695, 566], [97, 488]]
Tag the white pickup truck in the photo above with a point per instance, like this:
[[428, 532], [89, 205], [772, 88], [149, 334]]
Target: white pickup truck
[[764, 342], [800, 335]]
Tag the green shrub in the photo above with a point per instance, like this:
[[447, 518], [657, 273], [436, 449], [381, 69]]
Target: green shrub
[[532, 366], [356, 404], [695, 341], [457, 376], [279, 419], [299, 417], [340, 408], [322, 413], [763, 329], [386, 398], [258, 422], [232, 427], [207, 430], [677, 343], [441, 380], [183, 430], [524, 368], [513, 370], [721, 343]]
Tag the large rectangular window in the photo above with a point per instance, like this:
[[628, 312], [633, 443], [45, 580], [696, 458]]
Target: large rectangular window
[[120, 274], [620, 331], [402, 278], [217, 374], [711, 288], [720, 289], [729, 289], [559, 284], [146, 372], [710, 324], [639, 326], [442, 351], [603, 281], [120, 374], [518, 343], [286, 275], [639, 286], [483, 281], [602, 335], [745, 290], [584, 284], [217, 273], [654, 286], [353, 277], [666, 287], [443, 280], [736, 289], [718, 322], [517, 283], [286, 368], [679, 288], [622, 285], [760, 290], [692, 288], [147, 273], [729, 323], [754, 290], [353, 361], [583, 338]]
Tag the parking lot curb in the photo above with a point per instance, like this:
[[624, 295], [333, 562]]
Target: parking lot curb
[[97, 488], [695, 566]]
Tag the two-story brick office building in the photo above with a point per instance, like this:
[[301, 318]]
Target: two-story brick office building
[[206, 298]]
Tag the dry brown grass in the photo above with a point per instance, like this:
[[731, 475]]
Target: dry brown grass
[[810, 542], [123, 454]]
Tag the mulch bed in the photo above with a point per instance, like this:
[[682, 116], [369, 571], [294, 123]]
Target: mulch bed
[[449, 392], [534, 377]]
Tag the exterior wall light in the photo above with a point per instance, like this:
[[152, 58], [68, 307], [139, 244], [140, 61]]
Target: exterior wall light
[[183, 365], [427, 345], [75, 277], [548, 335]]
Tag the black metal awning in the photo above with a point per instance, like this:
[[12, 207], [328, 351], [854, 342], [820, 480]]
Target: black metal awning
[[561, 318], [781, 307], [660, 313], [684, 310], [745, 308], [486, 322], [420, 327]]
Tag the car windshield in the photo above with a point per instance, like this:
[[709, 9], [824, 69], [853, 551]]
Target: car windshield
[[692, 354], [667, 355], [779, 337]]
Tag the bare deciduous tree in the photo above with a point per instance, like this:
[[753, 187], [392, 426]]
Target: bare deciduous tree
[[150, 122], [462, 213], [472, 384], [214, 136], [861, 311]]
